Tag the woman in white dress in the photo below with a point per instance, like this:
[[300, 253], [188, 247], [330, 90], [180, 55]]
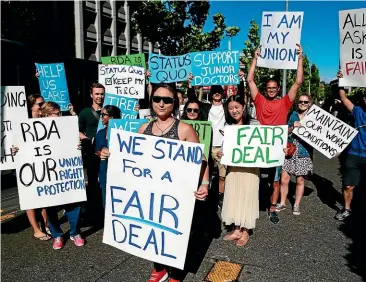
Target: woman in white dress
[[241, 200]]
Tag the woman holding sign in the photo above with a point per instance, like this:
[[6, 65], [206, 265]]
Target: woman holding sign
[[299, 163], [241, 201], [192, 110], [164, 104], [101, 146], [72, 211]]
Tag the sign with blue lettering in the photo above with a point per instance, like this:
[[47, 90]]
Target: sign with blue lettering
[[150, 195], [280, 32], [49, 166], [53, 85], [128, 106], [169, 68], [215, 67], [131, 125], [127, 81]]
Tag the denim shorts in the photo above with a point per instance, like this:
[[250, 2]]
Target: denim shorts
[[278, 174]]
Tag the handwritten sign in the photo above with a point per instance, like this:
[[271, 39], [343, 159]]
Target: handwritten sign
[[13, 110], [125, 104], [49, 166], [254, 145], [131, 125], [215, 67], [150, 202], [280, 32], [53, 85], [352, 29], [169, 68], [325, 132], [127, 81], [203, 130], [137, 60], [145, 114]]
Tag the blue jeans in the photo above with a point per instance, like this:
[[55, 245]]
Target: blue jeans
[[72, 212], [278, 174]]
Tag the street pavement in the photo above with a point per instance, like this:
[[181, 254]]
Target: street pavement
[[309, 247]]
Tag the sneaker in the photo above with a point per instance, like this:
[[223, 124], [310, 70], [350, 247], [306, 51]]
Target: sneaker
[[341, 215], [158, 276], [78, 241], [296, 210], [174, 280], [280, 207], [273, 217], [58, 243]]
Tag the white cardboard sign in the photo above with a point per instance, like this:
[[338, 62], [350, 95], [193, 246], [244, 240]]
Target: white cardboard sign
[[324, 132], [128, 81], [254, 145], [280, 32], [150, 195], [49, 166], [13, 109]]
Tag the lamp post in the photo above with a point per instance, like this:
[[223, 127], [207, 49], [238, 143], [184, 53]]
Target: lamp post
[[284, 77], [309, 92]]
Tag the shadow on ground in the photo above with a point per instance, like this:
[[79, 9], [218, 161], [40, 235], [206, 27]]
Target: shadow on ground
[[355, 229]]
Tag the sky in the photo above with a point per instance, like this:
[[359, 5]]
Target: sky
[[320, 31]]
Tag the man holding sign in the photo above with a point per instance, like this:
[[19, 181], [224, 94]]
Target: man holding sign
[[273, 111], [356, 158]]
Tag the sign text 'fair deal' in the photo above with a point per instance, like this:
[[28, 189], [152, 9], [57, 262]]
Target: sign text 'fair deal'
[[49, 166], [352, 30], [254, 145], [280, 33], [324, 132], [128, 81], [150, 202]]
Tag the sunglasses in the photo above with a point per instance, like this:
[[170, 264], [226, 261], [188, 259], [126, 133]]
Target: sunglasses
[[303, 102], [104, 114], [166, 100], [39, 104], [190, 110]]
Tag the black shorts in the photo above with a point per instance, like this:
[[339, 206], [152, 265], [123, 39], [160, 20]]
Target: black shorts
[[353, 169]]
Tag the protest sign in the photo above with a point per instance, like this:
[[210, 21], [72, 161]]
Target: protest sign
[[127, 81], [53, 85], [323, 131], [49, 166], [137, 60], [169, 68], [352, 29], [145, 114], [150, 195], [13, 110], [203, 130], [125, 104], [131, 125], [215, 67], [254, 145], [280, 32]]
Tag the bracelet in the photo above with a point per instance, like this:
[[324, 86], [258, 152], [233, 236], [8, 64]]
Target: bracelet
[[205, 182]]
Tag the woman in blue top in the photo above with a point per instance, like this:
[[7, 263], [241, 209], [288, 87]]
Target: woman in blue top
[[101, 146], [300, 164]]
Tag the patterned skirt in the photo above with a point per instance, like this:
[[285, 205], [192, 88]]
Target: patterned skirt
[[298, 166]]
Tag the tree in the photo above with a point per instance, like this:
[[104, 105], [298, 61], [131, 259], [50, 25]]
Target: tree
[[177, 26], [251, 45]]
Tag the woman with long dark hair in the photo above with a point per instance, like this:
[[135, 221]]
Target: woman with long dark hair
[[164, 105], [192, 110], [241, 201]]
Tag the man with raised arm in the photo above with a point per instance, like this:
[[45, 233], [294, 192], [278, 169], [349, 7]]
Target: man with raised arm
[[356, 158], [273, 111]]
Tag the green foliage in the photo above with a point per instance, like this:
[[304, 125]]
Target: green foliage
[[178, 25]]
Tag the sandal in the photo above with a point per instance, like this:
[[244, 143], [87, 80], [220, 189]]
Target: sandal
[[45, 237], [243, 239], [48, 231], [233, 236]]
